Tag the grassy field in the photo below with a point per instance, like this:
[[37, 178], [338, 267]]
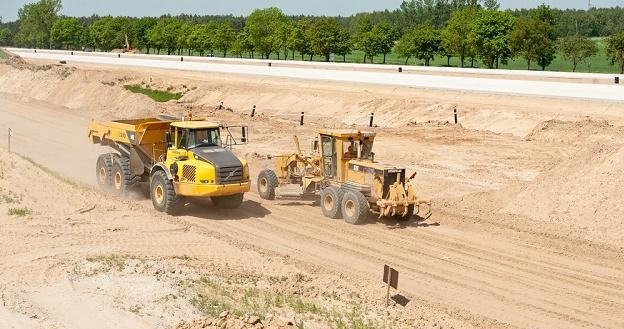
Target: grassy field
[[3, 55], [597, 64], [157, 95]]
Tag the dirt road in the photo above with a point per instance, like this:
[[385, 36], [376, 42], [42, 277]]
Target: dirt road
[[482, 273]]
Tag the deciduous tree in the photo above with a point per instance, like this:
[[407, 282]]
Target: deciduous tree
[[615, 50], [455, 37], [490, 36], [35, 23], [577, 49], [66, 33]]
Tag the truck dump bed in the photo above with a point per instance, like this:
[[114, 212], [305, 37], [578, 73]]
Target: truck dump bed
[[146, 137]]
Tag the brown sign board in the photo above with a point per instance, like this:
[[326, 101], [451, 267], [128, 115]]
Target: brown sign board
[[391, 276]]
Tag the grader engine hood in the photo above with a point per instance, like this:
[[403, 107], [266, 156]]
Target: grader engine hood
[[228, 168], [367, 173]]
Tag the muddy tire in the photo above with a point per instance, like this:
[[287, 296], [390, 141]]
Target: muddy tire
[[228, 202], [163, 195], [355, 207], [123, 180], [331, 201], [267, 182], [104, 171]]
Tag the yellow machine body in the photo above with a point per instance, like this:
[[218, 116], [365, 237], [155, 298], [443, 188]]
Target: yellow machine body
[[153, 144]]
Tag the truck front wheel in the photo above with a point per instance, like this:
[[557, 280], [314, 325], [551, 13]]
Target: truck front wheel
[[164, 197], [228, 202]]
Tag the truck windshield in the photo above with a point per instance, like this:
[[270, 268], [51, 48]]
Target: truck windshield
[[200, 137]]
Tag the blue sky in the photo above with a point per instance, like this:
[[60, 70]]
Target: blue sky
[[8, 8]]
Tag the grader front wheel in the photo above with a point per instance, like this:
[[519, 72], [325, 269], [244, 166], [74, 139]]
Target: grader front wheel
[[267, 182]]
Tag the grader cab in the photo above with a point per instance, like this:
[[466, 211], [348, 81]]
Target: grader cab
[[343, 171]]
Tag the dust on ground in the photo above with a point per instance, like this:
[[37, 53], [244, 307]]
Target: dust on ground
[[526, 229]]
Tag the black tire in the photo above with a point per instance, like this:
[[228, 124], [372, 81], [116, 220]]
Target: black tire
[[104, 171], [123, 180], [228, 202], [331, 201], [162, 193], [355, 207], [267, 182]]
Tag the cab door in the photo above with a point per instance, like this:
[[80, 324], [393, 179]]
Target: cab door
[[328, 152]]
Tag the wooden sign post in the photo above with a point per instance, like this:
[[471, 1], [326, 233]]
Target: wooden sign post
[[391, 278]]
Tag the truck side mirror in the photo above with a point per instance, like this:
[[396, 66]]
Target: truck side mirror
[[168, 139]]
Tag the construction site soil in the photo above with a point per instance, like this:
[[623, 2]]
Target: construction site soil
[[527, 229]]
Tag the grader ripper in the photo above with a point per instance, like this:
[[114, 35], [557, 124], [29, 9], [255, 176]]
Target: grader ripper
[[344, 172], [179, 159]]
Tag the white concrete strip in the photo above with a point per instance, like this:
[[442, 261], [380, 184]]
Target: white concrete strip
[[486, 85], [338, 65]]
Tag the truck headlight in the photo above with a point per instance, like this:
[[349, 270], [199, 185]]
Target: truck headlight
[[246, 173]]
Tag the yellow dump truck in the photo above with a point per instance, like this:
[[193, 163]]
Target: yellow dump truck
[[180, 159]]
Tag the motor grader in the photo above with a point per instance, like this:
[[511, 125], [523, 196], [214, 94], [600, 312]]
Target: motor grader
[[180, 159], [343, 171]]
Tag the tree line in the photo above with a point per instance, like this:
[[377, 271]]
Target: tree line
[[471, 30]]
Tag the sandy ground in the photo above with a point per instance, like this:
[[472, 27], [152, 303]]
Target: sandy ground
[[526, 228]]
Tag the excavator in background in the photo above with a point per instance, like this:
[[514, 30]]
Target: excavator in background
[[343, 171]]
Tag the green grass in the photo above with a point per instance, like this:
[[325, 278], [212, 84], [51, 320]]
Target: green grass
[[599, 63], [156, 95], [19, 212], [112, 261], [3, 55]]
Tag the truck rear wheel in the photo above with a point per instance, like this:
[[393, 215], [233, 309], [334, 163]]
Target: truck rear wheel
[[104, 171], [267, 182], [228, 202], [331, 201], [164, 197], [355, 207], [123, 180]]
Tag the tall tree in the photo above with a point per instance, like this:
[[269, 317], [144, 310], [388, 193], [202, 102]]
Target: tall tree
[[386, 35], [201, 38], [35, 23], [526, 40], [264, 28], [491, 4], [406, 46], [455, 37], [164, 35], [490, 36], [615, 50], [546, 25], [427, 42], [141, 28], [324, 34], [6, 36], [577, 49], [298, 39], [66, 33], [344, 45], [183, 32], [224, 37]]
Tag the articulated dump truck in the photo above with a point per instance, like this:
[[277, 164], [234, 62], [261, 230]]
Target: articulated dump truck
[[180, 159]]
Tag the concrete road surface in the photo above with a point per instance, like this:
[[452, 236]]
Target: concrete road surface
[[470, 84]]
